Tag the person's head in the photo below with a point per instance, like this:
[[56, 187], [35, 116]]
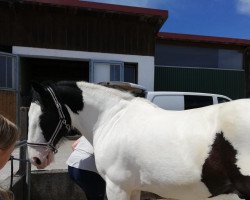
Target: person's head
[[8, 137]]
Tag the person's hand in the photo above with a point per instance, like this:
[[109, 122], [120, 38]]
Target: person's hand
[[73, 146]]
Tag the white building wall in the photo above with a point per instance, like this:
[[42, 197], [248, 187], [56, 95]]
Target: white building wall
[[145, 63]]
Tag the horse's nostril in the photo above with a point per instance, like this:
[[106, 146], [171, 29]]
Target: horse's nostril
[[37, 161]]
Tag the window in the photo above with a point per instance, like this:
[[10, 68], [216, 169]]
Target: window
[[169, 102], [230, 59], [194, 56], [186, 56], [115, 72], [222, 100], [194, 101], [7, 66], [3, 70], [103, 71]]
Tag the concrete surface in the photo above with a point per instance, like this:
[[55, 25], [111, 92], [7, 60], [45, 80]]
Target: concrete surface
[[54, 185]]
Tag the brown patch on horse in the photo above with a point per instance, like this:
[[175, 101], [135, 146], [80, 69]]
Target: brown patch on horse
[[220, 173]]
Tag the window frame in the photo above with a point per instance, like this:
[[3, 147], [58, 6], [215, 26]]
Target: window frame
[[14, 72], [222, 100], [111, 63]]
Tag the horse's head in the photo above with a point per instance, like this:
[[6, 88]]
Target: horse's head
[[49, 121]]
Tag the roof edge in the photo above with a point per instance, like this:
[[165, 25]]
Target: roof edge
[[104, 6], [203, 39]]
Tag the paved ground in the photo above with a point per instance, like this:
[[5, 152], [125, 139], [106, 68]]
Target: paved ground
[[59, 163]]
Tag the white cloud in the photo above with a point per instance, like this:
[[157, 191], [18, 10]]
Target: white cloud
[[244, 7]]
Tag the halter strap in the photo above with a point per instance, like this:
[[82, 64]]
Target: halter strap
[[62, 122]]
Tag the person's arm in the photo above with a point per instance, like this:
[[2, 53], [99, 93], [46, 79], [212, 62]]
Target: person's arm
[[82, 144], [73, 146]]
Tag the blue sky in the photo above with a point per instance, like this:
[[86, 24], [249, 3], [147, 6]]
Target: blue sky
[[223, 18]]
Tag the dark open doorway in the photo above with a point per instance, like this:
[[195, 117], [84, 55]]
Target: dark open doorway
[[39, 70]]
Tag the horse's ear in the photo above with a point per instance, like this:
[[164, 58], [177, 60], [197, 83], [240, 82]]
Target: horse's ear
[[42, 91], [39, 88]]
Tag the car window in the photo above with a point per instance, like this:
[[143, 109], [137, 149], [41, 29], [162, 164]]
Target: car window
[[222, 100], [195, 101], [169, 102]]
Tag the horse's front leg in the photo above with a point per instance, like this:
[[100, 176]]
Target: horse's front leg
[[114, 192]]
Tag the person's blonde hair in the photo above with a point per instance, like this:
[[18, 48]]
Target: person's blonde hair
[[9, 133], [6, 194]]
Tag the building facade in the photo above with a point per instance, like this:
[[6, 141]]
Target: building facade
[[202, 64], [76, 40], [73, 40]]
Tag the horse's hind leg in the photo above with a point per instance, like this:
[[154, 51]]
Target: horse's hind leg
[[114, 192]]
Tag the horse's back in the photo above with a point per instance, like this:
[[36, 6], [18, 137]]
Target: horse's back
[[235, 112]]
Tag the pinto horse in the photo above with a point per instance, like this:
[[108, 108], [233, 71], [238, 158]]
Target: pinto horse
[[187, 155]]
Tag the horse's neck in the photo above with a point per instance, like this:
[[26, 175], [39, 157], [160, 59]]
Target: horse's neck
[[100, 104]]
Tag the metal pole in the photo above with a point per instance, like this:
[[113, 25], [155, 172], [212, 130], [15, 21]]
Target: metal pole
[[20, 143], [24, 166], [28, 180]]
